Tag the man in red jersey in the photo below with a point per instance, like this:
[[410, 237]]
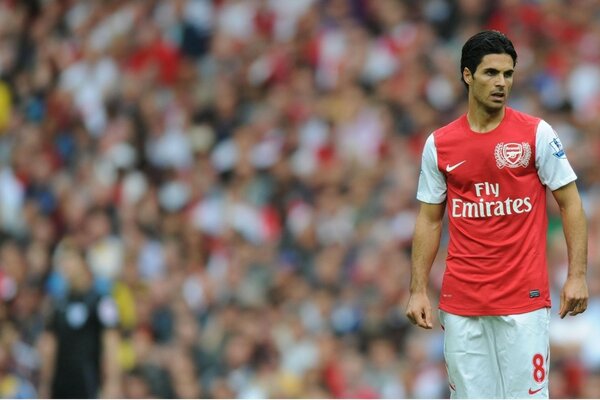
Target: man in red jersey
[[489, 169]]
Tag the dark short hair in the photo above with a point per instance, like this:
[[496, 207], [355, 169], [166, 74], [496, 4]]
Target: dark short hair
[[482, 44]]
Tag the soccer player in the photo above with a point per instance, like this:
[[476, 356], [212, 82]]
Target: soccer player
[[489, 170], [80, 345]]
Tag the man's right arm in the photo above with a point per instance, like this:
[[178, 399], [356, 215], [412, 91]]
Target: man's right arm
[[426, 241], [47, 348]]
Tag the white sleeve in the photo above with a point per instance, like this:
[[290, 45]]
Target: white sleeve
[[108, 313], [551, 162], [432, 183]]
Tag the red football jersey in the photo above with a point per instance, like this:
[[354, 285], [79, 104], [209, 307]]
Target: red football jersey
[[494, 185]]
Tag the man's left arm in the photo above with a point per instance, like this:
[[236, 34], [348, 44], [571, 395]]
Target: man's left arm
[[574, 295], [108, 316], [111, 387]]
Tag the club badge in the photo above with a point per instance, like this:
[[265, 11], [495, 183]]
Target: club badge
[[512, 155]]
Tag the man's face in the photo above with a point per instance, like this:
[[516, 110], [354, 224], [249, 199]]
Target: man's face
[[492, 81]]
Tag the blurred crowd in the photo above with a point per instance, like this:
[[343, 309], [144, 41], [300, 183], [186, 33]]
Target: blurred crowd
[[240, 176]]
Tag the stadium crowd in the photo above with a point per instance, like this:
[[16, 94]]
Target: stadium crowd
[[240, 176]]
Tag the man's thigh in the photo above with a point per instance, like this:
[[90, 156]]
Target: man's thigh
[[522, 348], [472, 368], [497, 357]]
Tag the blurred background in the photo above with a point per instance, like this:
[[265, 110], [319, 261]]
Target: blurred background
[[239, 176]]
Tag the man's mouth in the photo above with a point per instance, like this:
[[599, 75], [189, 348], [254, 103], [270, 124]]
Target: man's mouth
[[498, 95]]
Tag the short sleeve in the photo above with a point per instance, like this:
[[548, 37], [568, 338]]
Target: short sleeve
[[432, 183], [108, 314], [554, 170]]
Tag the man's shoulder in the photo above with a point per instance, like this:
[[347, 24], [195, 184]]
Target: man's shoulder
[[450, 128], [521, 117]]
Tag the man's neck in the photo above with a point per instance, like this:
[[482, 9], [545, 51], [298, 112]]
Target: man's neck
[[482, 120]]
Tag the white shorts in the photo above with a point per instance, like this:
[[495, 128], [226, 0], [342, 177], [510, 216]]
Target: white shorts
[[497, 356]]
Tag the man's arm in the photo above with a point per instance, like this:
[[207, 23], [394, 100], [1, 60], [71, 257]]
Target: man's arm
[[574, 295], [111, 387], [426, 241], [47, 346]]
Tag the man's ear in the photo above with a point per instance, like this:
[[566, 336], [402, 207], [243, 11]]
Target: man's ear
[[467, 76]]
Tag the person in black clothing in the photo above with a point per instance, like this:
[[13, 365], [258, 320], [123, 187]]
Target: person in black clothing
[[79, 345]]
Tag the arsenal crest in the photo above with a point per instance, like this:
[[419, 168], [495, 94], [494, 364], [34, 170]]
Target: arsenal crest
[[512, 155]]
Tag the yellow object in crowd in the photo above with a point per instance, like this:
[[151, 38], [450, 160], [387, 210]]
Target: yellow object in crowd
[[5, 106]]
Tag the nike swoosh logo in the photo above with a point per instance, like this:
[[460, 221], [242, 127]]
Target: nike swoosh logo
[[450, 168], [534, 391]]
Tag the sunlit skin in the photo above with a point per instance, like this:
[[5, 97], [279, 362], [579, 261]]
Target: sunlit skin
[[489, 88]]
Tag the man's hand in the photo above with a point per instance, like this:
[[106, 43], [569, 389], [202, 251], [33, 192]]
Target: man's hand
[[574, 296], [418, 310]]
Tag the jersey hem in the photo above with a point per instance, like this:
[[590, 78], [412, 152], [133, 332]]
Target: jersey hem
[[493, 312]]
